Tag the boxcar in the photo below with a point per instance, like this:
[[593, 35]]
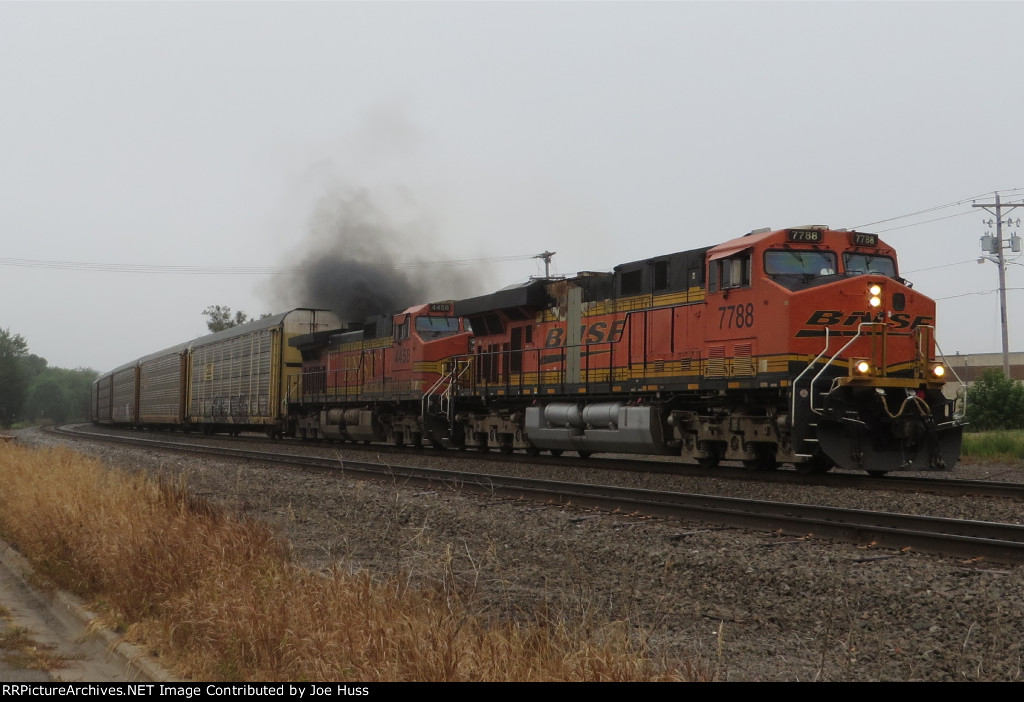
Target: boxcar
[[239, 379]]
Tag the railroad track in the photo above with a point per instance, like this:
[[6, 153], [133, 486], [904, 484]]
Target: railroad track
[[858, 480], [962, 538]]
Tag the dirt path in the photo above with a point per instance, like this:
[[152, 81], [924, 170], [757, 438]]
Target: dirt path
[[47, 637]]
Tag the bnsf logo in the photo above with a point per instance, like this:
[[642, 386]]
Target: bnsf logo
[[595, 333], [831, 318]]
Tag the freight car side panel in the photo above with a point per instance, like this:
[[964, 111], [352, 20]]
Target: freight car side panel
[[162, 387], [242, 377], [232, 380], [101, 399], [125, 397]]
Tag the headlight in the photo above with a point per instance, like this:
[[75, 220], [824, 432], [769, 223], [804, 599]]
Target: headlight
[[875, 292], [938, 371], [862, 367]]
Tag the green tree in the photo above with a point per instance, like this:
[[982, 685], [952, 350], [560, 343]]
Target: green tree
[[220, 318], [995, 402], [13, 348], [60, 394], [32, 365], [46, 400]]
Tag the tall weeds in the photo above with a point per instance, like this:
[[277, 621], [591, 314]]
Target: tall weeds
[[219, 597], [997, 445]]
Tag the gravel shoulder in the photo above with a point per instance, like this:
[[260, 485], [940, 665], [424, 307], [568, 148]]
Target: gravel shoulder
[[749, 605]]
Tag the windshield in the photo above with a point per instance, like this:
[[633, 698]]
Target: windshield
[[436, 327], [805, 264], [859, 264]]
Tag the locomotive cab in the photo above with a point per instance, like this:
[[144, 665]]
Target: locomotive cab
[[849, 339]]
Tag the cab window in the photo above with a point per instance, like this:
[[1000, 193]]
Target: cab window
[[436, 327], [861, 264], [804, 264], [731, 272], [402, 330]]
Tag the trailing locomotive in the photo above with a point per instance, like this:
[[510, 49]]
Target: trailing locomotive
[[800, 346]]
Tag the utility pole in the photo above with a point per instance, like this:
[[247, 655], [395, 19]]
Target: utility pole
[[547, 261], [993, 246]]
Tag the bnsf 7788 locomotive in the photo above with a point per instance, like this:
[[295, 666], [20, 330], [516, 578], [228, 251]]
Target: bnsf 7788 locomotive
[[800, 346]]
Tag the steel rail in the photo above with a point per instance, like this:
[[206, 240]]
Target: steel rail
[[894, 483], [962, 538]]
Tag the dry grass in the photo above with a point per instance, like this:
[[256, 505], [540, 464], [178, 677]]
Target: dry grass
[[218, 595]]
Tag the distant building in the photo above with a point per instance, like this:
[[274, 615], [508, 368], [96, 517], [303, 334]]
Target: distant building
[[970, 366]]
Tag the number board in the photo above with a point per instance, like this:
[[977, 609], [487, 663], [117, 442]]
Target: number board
[[445, 307], [805, 236], [858, 239]]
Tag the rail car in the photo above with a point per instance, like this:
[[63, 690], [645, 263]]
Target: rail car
[[801, 346], [231, 381]]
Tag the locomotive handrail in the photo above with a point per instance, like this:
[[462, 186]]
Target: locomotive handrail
[[834, 357], [430, 392], [961, 392], [810, 365], [452, 377]]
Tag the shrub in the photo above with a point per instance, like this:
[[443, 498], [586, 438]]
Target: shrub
[[995, 402]]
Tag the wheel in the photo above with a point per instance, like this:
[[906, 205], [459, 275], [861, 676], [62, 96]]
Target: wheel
[[585, 454], [417, 440], [532, 450], [708, 462], [817, 464], [878, 473], [555, 452], [713, 457], [507, 449], [764, 459]]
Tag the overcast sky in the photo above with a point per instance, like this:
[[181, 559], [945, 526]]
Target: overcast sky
[[232, 135]]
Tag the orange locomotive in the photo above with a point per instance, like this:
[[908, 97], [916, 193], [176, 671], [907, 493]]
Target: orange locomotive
[[367, 382], [802, 346]]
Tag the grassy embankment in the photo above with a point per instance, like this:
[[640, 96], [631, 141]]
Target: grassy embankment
[[218, 596], [994, 445]]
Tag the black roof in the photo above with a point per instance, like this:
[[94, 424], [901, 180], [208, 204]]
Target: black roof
[[530, 294]]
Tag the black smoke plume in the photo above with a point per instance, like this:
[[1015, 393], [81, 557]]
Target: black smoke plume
[[358, 262]]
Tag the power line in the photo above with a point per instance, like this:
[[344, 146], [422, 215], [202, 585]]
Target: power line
[[932, 268], [925, 211], [927, 221], [933, 209], [979, 292]]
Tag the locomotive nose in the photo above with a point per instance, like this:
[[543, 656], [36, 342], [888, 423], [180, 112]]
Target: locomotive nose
[[907, 428]]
